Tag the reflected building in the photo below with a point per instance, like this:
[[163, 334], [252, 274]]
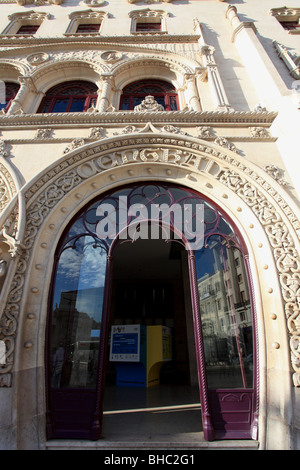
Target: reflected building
[[78, 334], [226, 310]]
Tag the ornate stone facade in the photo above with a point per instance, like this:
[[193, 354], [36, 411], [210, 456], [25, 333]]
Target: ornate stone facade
[[218, 142]]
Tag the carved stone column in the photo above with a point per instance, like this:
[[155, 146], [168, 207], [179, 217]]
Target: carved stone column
[[192, 97], [107, 83], [214, 79], [27, 86]]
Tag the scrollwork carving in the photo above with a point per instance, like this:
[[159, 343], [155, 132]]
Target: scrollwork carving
[[285, 255]]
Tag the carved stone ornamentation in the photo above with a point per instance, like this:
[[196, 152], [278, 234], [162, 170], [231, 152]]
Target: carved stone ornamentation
[[126, 130], [275, 173], [38, 58], [148, 104], [286, 257], [7, 187], [97, 133], [226, 144], [258, 132], [4, 151], [173, 130], [74, 145], [204, 132], [43, 133]]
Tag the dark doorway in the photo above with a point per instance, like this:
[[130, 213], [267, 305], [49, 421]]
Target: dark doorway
[[148, 289]]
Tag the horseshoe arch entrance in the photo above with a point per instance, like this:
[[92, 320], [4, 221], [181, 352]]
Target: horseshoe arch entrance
[[80, 315]]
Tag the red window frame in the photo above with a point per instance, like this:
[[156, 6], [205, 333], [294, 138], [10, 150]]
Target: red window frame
[[88, 28], [148, 27], [163, 92], [290, 25], [11, 90], [28, 29], [69, 91]]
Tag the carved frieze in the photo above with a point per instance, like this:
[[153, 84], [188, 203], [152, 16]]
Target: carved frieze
[[7, 187]]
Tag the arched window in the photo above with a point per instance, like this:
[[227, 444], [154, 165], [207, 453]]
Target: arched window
[[11, 90], [74, 96], [163, 92]]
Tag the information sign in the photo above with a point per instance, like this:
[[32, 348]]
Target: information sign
[[125, 343]]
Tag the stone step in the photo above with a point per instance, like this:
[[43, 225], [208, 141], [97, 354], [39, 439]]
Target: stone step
[[174, 445]]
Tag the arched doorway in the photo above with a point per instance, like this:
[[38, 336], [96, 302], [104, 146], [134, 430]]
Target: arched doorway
[[80, 306]]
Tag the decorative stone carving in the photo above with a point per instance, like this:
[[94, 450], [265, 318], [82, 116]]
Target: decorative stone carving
[[214, 78], [226, 144], [126, 130], [7, 187], [29, 15], [157, 15], [95, 3], [291, 59], [287, 260], [38, 58], [43, 133], [275, 173], [111, 56], [97, 133], [15, 246], [258, 132], [74, 145], [148, 104], [150, 2], [173, 130], [204, 132], [4, 152], [259, 108]]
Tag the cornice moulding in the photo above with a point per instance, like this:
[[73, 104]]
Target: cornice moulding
[[119, 117], [14, 40]]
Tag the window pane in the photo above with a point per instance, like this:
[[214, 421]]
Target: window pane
[[28, 29], [148, 27], [60, 106], [163, 92], [77, 105], [88, 28], [77, 314], [173, 103], [226, 316]]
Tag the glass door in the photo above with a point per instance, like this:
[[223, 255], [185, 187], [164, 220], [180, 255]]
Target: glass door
[[79, 308], [227, 332]]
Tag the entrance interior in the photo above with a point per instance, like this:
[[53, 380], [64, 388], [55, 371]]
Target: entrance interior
[[150, 286]]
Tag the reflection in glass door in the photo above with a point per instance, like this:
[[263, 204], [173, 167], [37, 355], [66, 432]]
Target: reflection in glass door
[[75, 335], [227, 329], [77, 330]]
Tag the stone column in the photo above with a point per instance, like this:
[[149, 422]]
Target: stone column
[[192, 96], [214, 79], [107, 83], [27, 86]]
